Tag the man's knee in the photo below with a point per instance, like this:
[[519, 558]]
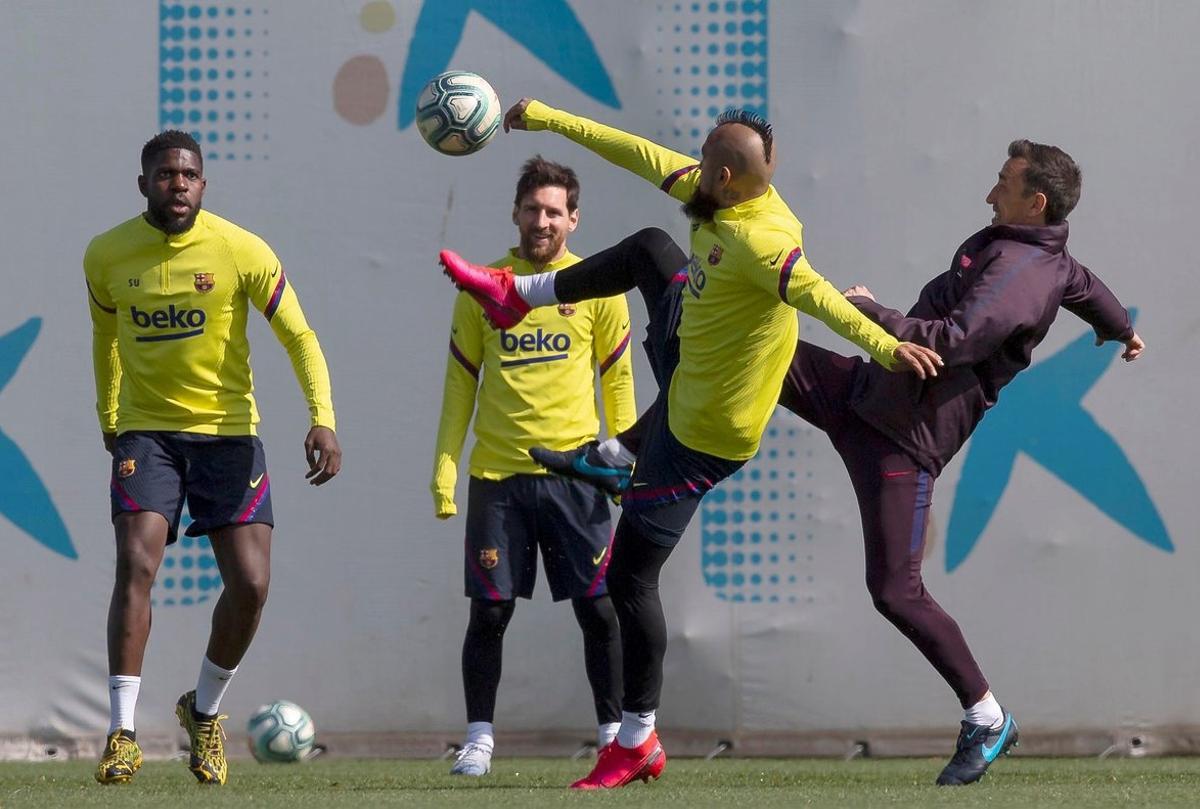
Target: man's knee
[[136, 568], [651, 239], [249, 589], [596, 616], [657, 253], [490, 617], [894, 598]]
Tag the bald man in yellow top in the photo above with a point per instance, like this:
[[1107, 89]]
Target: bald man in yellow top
[[169, 293], [722, 333]]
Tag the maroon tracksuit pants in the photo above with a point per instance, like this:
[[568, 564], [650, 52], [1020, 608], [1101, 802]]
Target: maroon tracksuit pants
[[894, 497]]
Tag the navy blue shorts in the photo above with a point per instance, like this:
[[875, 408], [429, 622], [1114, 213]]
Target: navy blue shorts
[[509, 519], [669, 479], [223, 477]]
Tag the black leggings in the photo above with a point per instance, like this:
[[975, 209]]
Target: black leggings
[[483, 651], [633, 584], [647, 260]]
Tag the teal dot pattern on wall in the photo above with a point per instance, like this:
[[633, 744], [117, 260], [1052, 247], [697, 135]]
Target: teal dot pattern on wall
[[212, 72], [758, 528], [188, 575], [712, 55]]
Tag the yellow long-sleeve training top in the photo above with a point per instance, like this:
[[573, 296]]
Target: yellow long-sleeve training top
[[746, 274], [537, 387], [169, 341]]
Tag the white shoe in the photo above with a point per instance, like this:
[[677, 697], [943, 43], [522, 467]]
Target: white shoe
[[473, 759]]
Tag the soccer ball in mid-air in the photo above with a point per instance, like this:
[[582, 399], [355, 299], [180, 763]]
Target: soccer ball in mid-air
[[280, 732], [458, 112]]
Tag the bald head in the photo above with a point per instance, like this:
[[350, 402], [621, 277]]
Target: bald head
[[741, 149], [737, 160], [736, 164]]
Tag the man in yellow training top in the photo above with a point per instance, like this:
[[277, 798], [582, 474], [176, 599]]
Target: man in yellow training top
[[537, 388], [169, 292], [721, 336]]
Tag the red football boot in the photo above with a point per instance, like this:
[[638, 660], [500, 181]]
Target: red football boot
[[616, 766], [493, 289]]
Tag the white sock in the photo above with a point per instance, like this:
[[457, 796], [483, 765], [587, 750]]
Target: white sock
[[482, 734], [537, 289], [606, 733], [615, 453], [986, 712], [635, 729], [122, 699], [211, 686]]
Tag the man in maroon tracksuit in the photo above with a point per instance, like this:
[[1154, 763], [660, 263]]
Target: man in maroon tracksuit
[[895, 433]]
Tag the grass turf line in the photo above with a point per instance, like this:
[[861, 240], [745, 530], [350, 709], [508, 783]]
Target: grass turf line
[[534, 783]]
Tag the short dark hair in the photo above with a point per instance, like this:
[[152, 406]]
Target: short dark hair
[[169, 139], [1052, 172], [753, 120], [539, 172]]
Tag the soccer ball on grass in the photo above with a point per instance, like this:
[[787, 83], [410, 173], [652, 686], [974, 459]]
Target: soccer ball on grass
[[280, 732]]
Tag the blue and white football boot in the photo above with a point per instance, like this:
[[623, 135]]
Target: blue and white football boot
[[977, 748], [584, 463]]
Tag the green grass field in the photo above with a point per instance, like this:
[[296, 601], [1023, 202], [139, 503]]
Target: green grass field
[[532, 783]]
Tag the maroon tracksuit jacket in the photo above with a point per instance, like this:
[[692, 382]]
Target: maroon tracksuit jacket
[[985, 315]]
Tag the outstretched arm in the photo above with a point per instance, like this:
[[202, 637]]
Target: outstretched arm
[[789, 275], [677, 174], [1090, 300]]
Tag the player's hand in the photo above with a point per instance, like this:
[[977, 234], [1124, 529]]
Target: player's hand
[[324, 455], [1133, 347], [922, 361], [859, 291], [110, 442], [515, 117]]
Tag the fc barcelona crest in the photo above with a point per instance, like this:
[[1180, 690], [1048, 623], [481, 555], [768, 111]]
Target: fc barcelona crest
[[204, 282], [126, 468], [714, 255], [489, 558], [566, 309]]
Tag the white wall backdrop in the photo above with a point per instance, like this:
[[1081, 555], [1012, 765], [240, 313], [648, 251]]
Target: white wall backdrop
[[1073, 576]]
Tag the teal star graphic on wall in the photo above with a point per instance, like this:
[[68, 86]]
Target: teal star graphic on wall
[[1041, 414], [549, 29], [23, 497]]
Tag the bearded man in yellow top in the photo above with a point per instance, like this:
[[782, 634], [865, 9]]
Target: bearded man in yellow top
[[169, 292], [721, 335]]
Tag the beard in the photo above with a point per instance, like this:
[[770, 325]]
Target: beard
[[162, 218], [537, 252], [701, 207]]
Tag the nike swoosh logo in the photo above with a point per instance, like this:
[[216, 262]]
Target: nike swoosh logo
[[254, 483], [275, 273], [582, 466], [990, 753], [775, 260], [597, 559], [625, 325]]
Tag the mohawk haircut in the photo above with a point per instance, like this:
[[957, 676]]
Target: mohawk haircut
[[753, 120], [170, 139]]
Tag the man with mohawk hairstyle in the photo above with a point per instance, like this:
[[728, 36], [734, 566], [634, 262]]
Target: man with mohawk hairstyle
[[721, 335]]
